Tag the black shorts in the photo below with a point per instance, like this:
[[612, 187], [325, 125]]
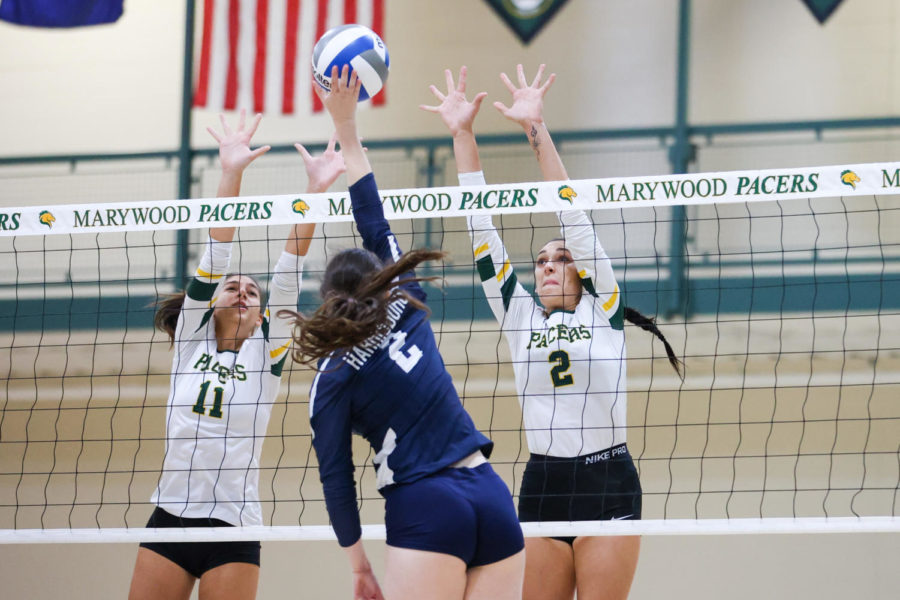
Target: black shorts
[[601, 486], [199, 557]]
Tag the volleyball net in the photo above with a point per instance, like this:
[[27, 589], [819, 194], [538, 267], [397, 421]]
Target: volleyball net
[[780, 291]]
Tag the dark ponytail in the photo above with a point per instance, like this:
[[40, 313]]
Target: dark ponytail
[[649, 324], [356, 292]]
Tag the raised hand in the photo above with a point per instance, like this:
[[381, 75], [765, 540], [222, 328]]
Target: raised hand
[[528, 100], [454, 109], [342, 100], [322, 170], [341, 103], [234, 144]]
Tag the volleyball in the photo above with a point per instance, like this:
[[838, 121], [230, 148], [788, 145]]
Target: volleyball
[[353, 45]]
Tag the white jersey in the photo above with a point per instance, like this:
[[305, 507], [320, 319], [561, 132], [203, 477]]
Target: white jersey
[[220, 401], [569, 366]]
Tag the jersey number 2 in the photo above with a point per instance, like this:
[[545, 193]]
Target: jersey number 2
[[558, 373], [216, 410], [405, 360]]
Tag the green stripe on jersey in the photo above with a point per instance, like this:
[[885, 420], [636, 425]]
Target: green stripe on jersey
[[278, 367], [485, 266], [617, 321], [206, 317], [198, 290], [588, 284], [507, 289]]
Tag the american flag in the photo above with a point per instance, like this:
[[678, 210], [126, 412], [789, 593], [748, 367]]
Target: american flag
[[255, 54]]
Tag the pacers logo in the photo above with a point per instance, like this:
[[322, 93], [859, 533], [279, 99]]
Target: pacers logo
[[850, 178], [300, 206], [46, 218], [566, 193]]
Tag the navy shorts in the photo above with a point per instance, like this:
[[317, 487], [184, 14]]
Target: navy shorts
[[468, 513], [199, 557], [601, 486]]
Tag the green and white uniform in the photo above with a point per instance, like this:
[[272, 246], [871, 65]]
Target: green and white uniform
[[569, 366], [220, 401]]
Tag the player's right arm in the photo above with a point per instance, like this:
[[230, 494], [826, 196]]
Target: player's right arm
[[234, 156], [368, 212]]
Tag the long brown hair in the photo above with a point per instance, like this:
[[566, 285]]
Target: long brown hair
[[356, 291], [168, 308]]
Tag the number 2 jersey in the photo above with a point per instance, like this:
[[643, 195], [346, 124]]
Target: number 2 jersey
[[569, 366], [220, 402], [392, 389]]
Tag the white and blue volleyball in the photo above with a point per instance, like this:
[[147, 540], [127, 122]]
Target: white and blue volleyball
[[353, 45]]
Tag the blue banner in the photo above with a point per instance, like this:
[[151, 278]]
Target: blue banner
[[60, 13]]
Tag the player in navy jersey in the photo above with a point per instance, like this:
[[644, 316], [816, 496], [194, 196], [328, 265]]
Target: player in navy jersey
[[452, 530], [226, 371], [568, 356]]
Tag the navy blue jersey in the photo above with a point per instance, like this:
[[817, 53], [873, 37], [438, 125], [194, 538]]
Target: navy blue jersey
[[392, 389]]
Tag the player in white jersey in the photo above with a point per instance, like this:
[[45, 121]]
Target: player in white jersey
[[229, 351], [568, 355]]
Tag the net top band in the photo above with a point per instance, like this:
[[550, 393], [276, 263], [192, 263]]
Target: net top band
[[456, 201]]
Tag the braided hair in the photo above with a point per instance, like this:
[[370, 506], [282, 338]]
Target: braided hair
[[646, 323]]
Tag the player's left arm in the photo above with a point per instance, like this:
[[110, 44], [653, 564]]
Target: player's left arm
[[330, 424], [321, 171], [593, 264]]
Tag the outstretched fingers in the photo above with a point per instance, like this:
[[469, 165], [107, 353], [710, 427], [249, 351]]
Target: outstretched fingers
[[259, 152], [225, 127], [501, 107], [476, 101], [304, 153], [448, 78], [520, 71], [331, 142], [253, 125], [509, 84], [537, 78]]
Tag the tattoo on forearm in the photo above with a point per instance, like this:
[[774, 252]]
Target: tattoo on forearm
[[535, 142]]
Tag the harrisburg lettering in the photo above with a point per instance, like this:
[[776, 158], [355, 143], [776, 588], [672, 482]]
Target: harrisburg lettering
[[778, 184], [9, 221], [235, 211], [669, 189], [357, 356], [491, 199], [120, 217]]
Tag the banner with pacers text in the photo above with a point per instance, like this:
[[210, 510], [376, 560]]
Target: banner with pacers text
[[585, 194]]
